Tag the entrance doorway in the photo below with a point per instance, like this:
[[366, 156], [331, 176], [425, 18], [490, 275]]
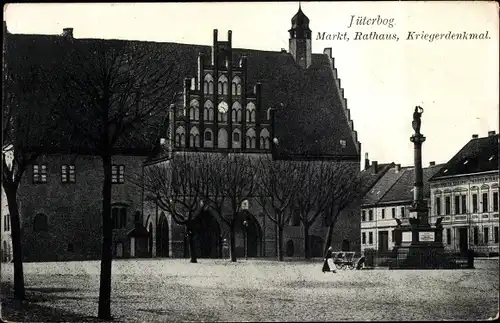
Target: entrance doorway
[[207, 236], [463, 240], [383, 241], [248, 236], [162, 237]]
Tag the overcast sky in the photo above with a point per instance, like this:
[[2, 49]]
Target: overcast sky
[[455, 81]]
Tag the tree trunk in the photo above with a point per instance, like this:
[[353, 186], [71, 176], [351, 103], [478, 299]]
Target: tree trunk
[[104, 311], [232, 241], [280, 243], [192, 247], [307, 245], [17, 251], [329, 235]]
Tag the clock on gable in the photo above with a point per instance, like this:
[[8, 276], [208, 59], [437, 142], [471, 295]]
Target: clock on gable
[[223, 107]]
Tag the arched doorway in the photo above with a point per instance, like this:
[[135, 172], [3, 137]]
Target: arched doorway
[[248, 236], [289, 248], [150, 240], [316, 246], [162, 236], [207, 236]]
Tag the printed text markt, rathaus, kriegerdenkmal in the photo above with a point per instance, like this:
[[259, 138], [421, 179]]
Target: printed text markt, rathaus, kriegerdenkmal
[[409, 35]]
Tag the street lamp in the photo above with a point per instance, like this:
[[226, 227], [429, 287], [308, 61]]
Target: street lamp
[[245, 226]]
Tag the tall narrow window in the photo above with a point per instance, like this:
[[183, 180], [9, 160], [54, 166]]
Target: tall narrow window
[[208, 111], [364, 238], [68, 174], [250, 112], [474, 203], [236, 85], [370, 237], [393, 210], [485, 202], [438, 205], [495, 201], [448, 236], [464, 204], [40, 174], [495, 234], [363, 216], [457, 204], [486, 235], [208, 84], [476, 236], [250, 138], [117, 174], [402, 212], [383, 214], [370, 215], [447, 205]]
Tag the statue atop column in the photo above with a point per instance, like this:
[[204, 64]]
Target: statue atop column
[[417, 116]]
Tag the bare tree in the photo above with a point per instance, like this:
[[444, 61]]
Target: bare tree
[[278, 185], [114, 95], [231, 180], [344, 190], [312, 198], [176, 185], [28, 127]]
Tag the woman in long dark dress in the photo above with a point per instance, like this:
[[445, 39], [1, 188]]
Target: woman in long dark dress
[[328, 255]]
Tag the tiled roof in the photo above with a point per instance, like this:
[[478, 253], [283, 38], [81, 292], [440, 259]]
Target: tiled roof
[[313, 121], [383, 185], [478, 155], [402, 189], [369, 178]]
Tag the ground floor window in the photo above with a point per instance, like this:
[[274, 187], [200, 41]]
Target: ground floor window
[[476, 236], [363, 237], [495, 232], [486, 233], [370, 238], [448, 236]]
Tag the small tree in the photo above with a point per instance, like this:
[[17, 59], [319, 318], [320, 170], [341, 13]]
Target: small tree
[[231, 180], [312, 198], [345, 189], [177, 185], [114, 94], [28, 127], [278, 185]]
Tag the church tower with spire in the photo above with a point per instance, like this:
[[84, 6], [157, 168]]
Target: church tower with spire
[[300, 39]]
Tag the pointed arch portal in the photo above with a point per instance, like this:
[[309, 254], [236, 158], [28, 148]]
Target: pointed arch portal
[[162, 249], [207, 236]]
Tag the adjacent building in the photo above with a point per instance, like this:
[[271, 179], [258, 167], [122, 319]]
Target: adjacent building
[[464, 193], [5, 229]]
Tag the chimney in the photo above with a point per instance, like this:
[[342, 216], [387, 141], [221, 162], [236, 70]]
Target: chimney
[[475, 136], [432, 163], [367, 161], [328, 51], [491, 133], [375, 167], [397, 168], [68, 32]]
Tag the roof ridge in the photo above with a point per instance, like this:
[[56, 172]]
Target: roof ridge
[[396, 181]]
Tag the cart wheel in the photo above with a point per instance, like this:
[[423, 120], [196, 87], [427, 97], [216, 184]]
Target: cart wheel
[[351, 266], [339, 265]]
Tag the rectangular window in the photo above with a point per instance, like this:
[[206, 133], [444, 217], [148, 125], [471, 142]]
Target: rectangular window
[[474, 203], [485, 202], [370, 237], [486, 234], [393, 236], [393, 212], [39, 174], [476, 236], [363, 215], [495, 234], [464, 204], [383, 214], [6, 222], [495, 201], [457, 204], [438, 206], [402, 212], [363, 238], [370, 215], [448, 236], [447, 205], [117, 174], [68, 174]]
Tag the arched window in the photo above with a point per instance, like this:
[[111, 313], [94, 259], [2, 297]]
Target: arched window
[[223, 85], [250, 138], [236, 85], [264, 139], [250, 112], [236, 138], [222, 138], [194, 110], [236, 112], [208, 84], [40, 223], [194, 137], [180, 136], [208, 113], [208, 138]]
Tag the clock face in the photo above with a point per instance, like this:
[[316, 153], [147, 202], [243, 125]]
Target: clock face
[[223, 107]]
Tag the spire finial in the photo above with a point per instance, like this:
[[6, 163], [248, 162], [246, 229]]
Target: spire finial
[[299, 5]]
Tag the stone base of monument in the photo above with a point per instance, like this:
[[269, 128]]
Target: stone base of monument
[[418, 246]]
